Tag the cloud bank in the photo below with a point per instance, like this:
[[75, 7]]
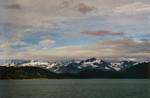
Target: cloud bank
[[74, 28]]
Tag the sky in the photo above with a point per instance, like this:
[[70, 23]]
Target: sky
[[46, 29]]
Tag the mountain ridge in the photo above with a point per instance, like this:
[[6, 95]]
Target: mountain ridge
[[88, 68]]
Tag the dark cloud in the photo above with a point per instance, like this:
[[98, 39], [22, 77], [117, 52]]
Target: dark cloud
[[1, 33], [83, 8], [13, 6], [66, 3], [102, 33]]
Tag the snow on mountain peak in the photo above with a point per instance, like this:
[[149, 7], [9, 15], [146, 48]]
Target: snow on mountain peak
[[74, 66]]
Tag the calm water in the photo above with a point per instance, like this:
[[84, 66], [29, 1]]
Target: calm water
[[75, 88]]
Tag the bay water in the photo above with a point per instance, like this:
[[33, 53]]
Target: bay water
[[75, 88]]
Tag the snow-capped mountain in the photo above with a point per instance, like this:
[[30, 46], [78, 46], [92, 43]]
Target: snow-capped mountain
[[77, 66], [13, 62], [93, 63], [74, 66], [120, 65]]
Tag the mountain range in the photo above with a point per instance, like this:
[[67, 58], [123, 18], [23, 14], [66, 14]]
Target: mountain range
[[87, 68]]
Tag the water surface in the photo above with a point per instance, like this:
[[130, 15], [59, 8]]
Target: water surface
[[75, 88]]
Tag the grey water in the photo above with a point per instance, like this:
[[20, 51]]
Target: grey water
[[75, 88]]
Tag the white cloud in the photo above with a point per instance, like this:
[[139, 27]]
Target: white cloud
[[20, 43], [46, 44], [133, 8]]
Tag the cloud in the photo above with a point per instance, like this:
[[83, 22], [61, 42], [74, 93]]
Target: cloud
[[20, 18], [102, 33], [13, 6], [19, 44], [45, 14], [46, 44], [66, 3], [109, 48], [25, 16], [133, 8], [83, 8], [1, 33], [104, 49]]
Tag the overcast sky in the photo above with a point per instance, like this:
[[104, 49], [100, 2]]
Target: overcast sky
[[74, 28]]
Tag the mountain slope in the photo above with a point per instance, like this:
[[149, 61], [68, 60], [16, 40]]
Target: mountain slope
[[25, 73]]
